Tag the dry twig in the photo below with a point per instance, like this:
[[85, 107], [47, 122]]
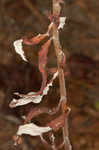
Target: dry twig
[[56, 12]]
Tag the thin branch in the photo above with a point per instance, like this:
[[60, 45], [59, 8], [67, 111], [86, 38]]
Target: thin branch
[[56, 41], [40, 110]]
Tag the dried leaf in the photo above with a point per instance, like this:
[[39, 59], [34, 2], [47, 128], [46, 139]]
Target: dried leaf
[[46, 88], [19, 49], [42, 68], [61, 22], [35, 40], [31, 96], [32, 129], [24, 101]]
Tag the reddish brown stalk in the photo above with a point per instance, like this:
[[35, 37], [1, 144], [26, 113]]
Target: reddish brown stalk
[[40, 110], [42, 61], [56, 10], [57, 123], [60, 122], [37, 39]]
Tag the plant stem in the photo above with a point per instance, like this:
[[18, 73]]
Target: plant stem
[[58, 51]]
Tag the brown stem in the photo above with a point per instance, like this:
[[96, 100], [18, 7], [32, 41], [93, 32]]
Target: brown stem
[[40, 110], [58, 51]]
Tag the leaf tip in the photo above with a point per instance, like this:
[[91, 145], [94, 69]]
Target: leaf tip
[[19, 48]]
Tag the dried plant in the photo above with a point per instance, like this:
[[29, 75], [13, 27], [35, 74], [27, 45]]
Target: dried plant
[[61, 122]]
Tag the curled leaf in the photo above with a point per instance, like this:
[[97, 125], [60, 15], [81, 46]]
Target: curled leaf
[[35, 40], [31, 96], [19, 49], [46, 88], [24, 101], [32, 129], [42, 68]]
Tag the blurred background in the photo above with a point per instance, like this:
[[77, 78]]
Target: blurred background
[[80, 43]]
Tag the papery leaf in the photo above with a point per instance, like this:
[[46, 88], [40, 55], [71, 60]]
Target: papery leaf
[[19, 49], [45, 89], [32, 129], [61, 22], [35, 40], [24, 101], [31, 96]]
